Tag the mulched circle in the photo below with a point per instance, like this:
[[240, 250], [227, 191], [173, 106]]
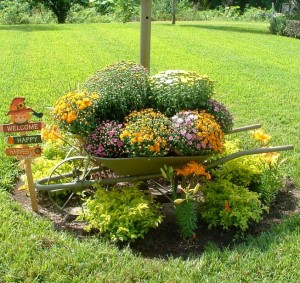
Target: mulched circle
[[165, 240]]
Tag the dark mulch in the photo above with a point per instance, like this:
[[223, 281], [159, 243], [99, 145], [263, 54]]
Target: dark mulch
[[165, 240]]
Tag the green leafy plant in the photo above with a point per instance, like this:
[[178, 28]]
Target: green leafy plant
[[228, 205], [123, 88], [270, 180], [278, 24], [146, 133], [121, 214], [176, 90], [186, 198]]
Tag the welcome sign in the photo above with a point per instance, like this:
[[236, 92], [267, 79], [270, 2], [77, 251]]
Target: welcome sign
[[19, 118]]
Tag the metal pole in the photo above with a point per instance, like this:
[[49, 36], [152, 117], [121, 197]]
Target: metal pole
[[145, 37]]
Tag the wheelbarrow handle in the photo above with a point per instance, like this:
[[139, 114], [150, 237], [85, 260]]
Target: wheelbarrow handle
[[244, 128], [235, 155]]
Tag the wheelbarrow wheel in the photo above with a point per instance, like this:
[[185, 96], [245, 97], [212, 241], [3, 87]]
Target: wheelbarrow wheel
[[70, 178]]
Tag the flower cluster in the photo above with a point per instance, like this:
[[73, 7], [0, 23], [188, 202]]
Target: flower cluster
[[261, 136], [105, 140], [50, 133], [146, 133], [196, 133], [221, 114], [123, 88], [176, 90], [75, 112]]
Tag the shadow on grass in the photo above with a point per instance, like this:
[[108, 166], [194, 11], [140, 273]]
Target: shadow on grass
[[31, 28], [242, 29]]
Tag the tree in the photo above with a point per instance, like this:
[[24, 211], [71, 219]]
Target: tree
[[60, 8]]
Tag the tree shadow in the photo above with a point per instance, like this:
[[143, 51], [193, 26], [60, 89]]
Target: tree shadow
[[32, 28], [251, 29]]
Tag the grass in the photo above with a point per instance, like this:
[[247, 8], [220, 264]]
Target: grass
[[33, 252], [256, 75]]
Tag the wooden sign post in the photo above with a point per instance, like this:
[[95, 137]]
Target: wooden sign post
[[19, 118]]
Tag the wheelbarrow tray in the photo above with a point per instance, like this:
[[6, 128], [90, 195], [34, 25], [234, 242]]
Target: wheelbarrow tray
[[137, 166]]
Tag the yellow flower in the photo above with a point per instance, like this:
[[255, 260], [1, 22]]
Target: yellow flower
[[271, 157], [261, 136], [178, 201]]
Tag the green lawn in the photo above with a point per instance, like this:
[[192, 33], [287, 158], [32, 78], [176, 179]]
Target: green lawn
[[256, 75]]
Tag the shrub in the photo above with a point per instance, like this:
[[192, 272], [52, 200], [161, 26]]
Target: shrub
[[75, 112], [175, 90], [121, 214], [221, 114], [14, 12], [146, 134], [292, 29], [270, 180], [244, 171], [123, 87], [256, 14], [228, 205], [105, 141], [196, 133], [278, 24]]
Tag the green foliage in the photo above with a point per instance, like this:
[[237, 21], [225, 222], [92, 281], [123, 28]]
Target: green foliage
[[176, 90], [292, 29], [60, 8], [123, 88], [14, 12], [186, 216], [269, 183], [121, 214], [126, 9], [278, 24], [80, 14], [243, 171], [228, 205]]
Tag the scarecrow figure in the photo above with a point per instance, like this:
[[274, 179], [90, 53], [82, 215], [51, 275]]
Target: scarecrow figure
[[18, 112]]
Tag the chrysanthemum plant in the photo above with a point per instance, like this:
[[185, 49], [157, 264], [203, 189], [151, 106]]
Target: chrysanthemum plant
[[123, 88], [196, 133], [75, 111], [176, 90], [105, 141], [147, 134]]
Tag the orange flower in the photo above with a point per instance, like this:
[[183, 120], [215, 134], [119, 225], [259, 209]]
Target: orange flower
[[185, 171], [198, 169]]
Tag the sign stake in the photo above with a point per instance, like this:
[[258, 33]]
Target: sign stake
[[33, 199]]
